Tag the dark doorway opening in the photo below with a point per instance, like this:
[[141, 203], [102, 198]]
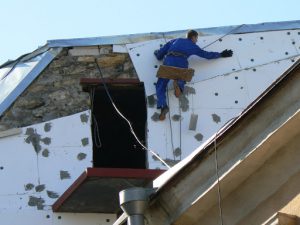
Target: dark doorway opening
[[118, 148]]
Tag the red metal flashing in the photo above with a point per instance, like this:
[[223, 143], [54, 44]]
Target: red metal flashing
[[97, 81], [69, 191], [124, 173]]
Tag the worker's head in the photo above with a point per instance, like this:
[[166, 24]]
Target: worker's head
[[192, 35]]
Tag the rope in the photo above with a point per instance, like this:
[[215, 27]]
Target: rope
[[128, 122], [237, 28], [180, 131], [170, 122], [217, 171], [218, 177], [96, 133]]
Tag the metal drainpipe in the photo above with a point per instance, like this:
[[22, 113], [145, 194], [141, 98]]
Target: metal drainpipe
[[133, 202]]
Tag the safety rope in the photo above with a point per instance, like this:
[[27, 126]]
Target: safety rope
[[128, 122], [231, 31], [170, 123], [180, 131]]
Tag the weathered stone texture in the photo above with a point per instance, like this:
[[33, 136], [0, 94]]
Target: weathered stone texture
[[57, 92]]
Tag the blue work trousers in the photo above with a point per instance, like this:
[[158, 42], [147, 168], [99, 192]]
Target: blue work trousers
[[161, 87]]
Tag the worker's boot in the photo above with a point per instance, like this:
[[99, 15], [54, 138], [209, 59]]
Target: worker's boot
[[177, 90], [163, 112]]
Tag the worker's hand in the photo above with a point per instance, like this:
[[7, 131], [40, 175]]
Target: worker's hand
[[226, 53], [157, 55]]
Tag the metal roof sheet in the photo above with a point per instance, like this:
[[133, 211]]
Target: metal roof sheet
[[131, 38]]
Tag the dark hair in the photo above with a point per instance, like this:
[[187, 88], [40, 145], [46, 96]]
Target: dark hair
[[191, 33]]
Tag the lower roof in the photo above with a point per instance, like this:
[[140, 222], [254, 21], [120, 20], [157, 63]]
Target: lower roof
[[96, 190]]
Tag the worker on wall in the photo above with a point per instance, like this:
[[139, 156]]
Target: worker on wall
[[175, 53]]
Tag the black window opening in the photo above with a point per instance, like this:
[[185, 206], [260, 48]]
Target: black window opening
[[114, 146]]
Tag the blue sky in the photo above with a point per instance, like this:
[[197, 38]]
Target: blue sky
[[27, 24]]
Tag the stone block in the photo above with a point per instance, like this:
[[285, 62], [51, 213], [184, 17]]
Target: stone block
[[36, 88], [105, 50], [29, 102], [84, 51], [87, 59], [111, 60], [58, 95]]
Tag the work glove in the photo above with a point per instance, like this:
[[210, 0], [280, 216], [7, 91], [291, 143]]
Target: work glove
[[226, 53], [157, 55]]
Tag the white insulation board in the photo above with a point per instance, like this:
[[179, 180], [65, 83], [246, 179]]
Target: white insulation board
[[219, 91]]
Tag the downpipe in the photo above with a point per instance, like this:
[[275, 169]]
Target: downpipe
[[133, 202]]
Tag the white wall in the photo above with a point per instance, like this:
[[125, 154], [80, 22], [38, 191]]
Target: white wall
[[38, 165]]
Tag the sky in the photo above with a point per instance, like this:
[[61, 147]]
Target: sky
[[28, 24]]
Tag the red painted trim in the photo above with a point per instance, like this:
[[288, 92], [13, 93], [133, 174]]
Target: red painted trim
[[124, 173], [146, 174], [97, 81], [69, 191]]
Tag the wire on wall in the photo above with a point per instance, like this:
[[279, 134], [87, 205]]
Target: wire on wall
[[128, 122]]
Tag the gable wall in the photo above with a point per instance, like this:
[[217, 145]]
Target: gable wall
[[57, 92]]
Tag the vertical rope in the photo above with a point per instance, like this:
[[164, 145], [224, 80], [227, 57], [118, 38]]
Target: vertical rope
[[170, 123], [218, 178], [217, 171], [180, 131]]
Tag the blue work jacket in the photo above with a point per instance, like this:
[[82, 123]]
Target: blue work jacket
[[177, 51]]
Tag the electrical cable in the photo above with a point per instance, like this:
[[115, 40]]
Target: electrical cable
[[15, 62], [96, 133], [128, 122]]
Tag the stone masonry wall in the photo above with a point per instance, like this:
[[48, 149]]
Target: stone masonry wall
[[57, 92]]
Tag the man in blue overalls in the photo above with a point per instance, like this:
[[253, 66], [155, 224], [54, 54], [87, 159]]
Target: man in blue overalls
[[176, 53]]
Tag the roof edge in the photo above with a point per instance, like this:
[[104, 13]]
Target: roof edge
[[131, 38]]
